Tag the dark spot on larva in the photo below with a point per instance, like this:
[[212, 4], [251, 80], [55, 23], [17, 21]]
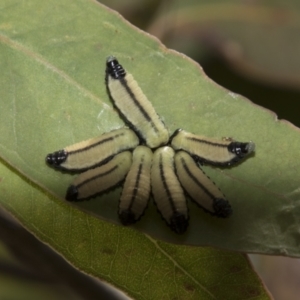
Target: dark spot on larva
[[222, 208], [72, 193], [127, 217], [114, 69], [179, 223], [56, 158], [241, 149]]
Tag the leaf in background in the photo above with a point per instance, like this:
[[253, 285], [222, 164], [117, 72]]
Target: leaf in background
[[258, 38]]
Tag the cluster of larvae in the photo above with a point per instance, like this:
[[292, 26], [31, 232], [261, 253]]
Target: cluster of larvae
[[148, 160]]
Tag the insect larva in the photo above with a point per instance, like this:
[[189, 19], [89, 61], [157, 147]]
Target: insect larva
[[133, 105], [136, 189], [93, 152], [199, 187], [99, 180], [168, 194], [209, 150]]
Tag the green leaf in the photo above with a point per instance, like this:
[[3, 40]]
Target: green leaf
[[55, 95], [134, 262], [52, 60]]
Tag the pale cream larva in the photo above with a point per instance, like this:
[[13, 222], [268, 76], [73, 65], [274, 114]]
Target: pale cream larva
[[93, 152], [136, 189], [101, 179], [167, 191], [211, 151], [199, 187], [133, 105]]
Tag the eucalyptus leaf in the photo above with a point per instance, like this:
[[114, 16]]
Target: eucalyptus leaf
[[141, 266], [53, 94]]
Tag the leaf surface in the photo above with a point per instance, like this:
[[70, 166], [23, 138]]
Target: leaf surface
[[52, 60], [141, 266]]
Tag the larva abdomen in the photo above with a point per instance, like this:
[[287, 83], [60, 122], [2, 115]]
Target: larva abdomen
[[133, 105], [168, 194], [211, 151], [99, 180], [136, 189], [93, 152], [199, 187]]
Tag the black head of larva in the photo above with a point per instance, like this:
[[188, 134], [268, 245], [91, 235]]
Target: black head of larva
[[222, 208], [127, 217], [114, 69], [179, 223], [56, 158], [72, 193], [241, 149]]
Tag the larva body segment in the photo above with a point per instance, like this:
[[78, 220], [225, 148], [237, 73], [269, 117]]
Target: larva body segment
[[199, 187], [101, 179], [209, 150], [167, 191], [93, 152], [136, 189], [133, 105]]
